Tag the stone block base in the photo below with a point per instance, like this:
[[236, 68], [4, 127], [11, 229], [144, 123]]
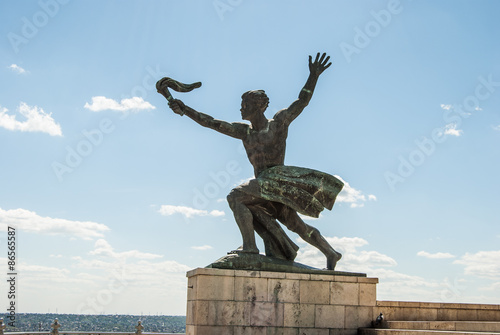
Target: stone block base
[[258, 302]]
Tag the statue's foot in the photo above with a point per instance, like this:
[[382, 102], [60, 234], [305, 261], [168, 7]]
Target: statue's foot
[[242, 250], [331, 260]]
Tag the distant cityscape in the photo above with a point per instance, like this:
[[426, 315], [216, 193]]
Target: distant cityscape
[[30, 322]]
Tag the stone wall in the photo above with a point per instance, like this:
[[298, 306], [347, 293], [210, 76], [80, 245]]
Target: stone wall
[[429, 311], [257, 302]]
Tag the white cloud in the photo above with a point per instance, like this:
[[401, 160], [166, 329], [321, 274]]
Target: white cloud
[[451, 129], [202, 247], [103, 248], [495, 287], [34, 275], [310, 218], [460, 111], [352, 258], [357, 205], [90, 279], [497, 128], [36, 120], [187, 211], [29, 221], [399, 286], [353, 196], [16, 68], [101, 103], [393, 285], [391, 274], [484, 264], [438, 255], [242, 181]]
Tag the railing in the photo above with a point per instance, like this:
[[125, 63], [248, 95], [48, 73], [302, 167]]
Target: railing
[[56, 325], [86, 333]]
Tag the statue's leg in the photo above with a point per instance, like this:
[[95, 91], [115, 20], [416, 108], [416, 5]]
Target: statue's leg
[[276, 242], [239, 201], [311, 235]]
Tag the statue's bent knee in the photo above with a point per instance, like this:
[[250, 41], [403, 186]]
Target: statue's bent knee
[[232, 197]]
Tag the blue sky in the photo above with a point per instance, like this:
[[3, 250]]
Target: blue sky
[[114, 197]]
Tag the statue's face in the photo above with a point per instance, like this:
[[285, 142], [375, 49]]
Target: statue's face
[[248, 109]]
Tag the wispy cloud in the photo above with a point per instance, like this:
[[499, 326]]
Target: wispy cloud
[[393, 285], [187, 211], [451, 129], [29, 221], [103, 248], [202, 247], [16, 68], [36, 120], [101, 103], [242, 181], [34, 274], [310, 218], [460, 111], [353, 196], [119, 276], [497, 128], [495, 287], [438, 255], [352, 259], [482, 264]]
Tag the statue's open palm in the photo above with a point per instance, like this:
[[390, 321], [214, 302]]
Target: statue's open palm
[[319, 65]]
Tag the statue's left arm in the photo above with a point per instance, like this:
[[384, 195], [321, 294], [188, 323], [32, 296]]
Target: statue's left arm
[[317, 67]]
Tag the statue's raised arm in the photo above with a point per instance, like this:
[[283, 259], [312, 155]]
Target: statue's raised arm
[[316, 68]]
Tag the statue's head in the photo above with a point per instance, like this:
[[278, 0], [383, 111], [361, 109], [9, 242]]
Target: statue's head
[[253, 102]]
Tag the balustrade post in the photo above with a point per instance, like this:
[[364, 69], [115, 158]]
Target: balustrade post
[[139, 328]]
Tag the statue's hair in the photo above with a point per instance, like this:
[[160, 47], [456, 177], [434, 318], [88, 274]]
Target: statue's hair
[[258, 96]]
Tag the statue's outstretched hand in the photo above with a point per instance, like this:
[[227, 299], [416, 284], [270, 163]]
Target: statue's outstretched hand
[[319, 65], [177, 106]]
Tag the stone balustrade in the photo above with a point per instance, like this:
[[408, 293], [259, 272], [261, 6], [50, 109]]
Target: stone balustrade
[[61, 332], [56, 325]]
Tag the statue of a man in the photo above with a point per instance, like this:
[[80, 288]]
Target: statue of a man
[[278, 192]]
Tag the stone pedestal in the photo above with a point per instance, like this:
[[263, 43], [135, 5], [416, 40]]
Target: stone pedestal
[[235, 302]]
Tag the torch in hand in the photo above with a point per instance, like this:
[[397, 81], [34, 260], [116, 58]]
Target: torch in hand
[[164, 84]]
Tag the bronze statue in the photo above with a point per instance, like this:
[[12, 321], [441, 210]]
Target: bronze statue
[[278, 192]]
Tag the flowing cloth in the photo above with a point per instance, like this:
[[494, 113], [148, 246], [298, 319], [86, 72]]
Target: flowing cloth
[[306, 191], [303, 190]]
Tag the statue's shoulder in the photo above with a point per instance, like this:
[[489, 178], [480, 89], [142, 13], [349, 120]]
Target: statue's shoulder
[[241, 126]]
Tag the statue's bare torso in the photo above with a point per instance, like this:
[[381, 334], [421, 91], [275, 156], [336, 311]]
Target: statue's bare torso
[[266, 147]]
